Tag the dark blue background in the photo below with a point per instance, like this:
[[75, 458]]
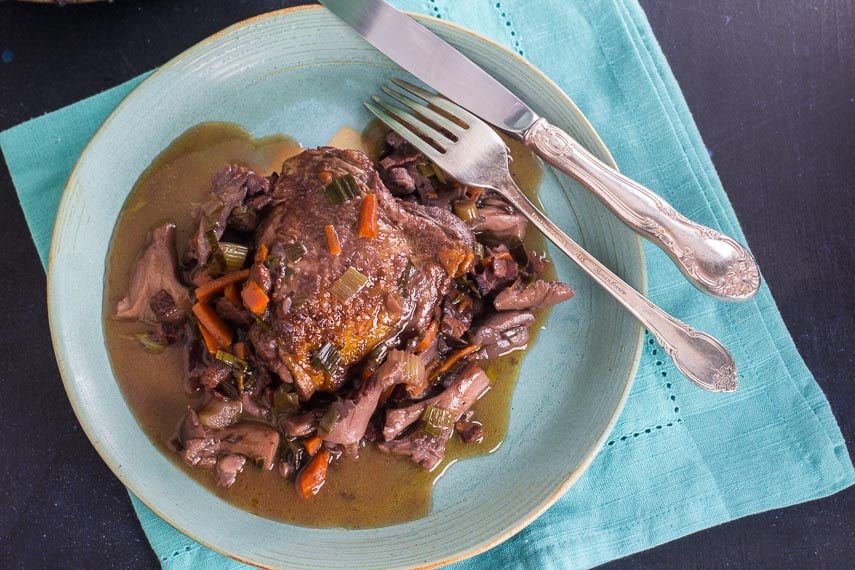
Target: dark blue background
[[771, 84]]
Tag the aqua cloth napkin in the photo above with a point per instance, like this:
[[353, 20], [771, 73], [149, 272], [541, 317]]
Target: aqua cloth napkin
[[679, 459]]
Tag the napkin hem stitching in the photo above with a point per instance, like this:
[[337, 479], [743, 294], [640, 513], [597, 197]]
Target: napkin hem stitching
[[502, 11], [644, 431], [181, 552], [652, 352], [433, 8]]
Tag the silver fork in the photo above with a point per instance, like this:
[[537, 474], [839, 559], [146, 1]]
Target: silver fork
[[473, 154]]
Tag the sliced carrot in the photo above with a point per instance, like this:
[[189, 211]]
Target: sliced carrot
[[452, 360], [232, 294], [314, 475], [210, 320], [332, 240], [455, 261], [428, 338], [254, 297], [217, 285], [368, 217], [261, 253], [473, 192], [210, 343], [313, 444]]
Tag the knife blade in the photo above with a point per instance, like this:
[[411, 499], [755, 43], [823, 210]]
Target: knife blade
[[716, 264], [435, 62]]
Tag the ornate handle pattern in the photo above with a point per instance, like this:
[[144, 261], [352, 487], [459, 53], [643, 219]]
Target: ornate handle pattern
[[700, 357], [712, 261]]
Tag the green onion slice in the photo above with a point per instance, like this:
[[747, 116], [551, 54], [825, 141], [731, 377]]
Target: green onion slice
[[437, 419], [234, 254], [348, 285], [438, 172], [430, 169], [295, 447], [378, 354], [232, 361], [261, 324], [216, 252], [149, 344], [294, 252], [466, 210], [425, 169], [341, 189], [285, 403], [327, 358], [329, 419], [414, 367]]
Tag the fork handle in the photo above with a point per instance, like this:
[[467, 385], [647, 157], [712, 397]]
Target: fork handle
[[700, 357], [713, 262]]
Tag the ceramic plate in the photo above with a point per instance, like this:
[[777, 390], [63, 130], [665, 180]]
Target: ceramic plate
[[303, 73]]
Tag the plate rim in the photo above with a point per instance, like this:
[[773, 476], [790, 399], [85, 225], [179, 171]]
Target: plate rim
[[199, 48]]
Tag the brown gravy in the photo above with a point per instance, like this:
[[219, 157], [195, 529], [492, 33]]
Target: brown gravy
[[377, 489]]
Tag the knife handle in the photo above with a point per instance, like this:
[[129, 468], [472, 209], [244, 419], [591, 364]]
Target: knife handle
[[713, 262]]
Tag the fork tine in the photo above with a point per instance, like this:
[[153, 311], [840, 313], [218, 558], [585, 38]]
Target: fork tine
[[409, 134], [424, 111], [437, 101], [416, 124]]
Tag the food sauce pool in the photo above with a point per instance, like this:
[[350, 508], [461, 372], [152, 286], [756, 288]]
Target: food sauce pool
[[375, 490]]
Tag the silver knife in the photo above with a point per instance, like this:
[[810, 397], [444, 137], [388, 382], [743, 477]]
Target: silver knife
[[713, 262]]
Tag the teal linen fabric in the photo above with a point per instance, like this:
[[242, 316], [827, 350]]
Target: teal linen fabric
[[679, 459]]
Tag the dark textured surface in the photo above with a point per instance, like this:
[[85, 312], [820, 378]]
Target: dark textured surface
[[771, 84]]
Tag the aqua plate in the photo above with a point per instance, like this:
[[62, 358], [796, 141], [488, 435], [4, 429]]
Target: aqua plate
[[303, 73]]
